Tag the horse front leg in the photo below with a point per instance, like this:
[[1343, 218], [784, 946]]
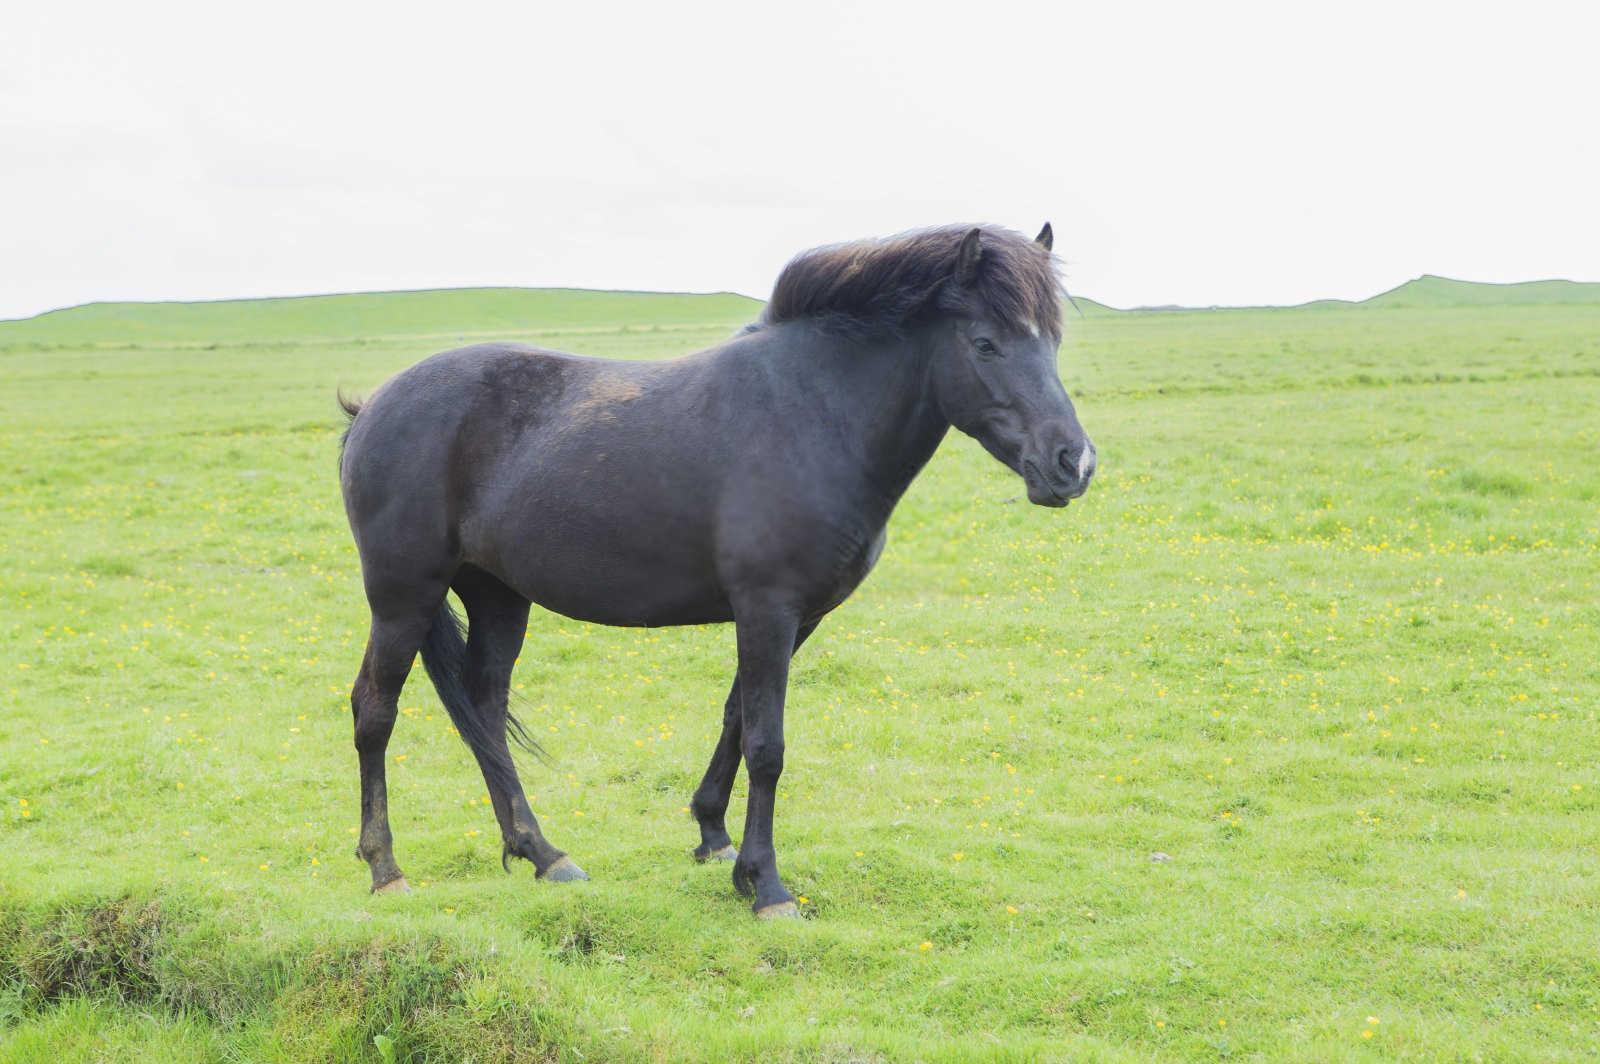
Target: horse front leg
[[767, 635], [710, 802]]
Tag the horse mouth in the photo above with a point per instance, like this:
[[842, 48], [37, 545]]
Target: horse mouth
[[1040, 491]]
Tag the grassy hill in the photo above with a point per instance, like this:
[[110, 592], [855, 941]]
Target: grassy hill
[[1088, 308], [1427, 292], [1431, 291], [450, 312], [463, 314]]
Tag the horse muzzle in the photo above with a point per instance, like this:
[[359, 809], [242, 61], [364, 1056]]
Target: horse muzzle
[[1063, 478]]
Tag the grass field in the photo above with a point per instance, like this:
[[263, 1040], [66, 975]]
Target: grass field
[[1325, 633]]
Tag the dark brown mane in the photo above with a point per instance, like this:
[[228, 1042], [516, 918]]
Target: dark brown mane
[[889, 284]]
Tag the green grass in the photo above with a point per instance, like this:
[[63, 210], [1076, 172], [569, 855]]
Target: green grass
[[1324, 633]]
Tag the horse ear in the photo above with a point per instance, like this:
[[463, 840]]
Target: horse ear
[[1046, 238], [967, 258]]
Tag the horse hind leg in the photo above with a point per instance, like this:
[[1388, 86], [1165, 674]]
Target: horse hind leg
[[374, 700], [497, 621]]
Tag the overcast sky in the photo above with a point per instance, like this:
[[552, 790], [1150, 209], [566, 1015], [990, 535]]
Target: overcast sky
[[1186, 153]]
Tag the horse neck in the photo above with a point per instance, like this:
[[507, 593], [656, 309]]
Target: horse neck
[[882, 396]]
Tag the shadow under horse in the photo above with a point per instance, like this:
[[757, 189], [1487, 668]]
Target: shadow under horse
[[750, 483]]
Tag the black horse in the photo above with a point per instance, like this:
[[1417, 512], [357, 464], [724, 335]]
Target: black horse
[[749, 483]]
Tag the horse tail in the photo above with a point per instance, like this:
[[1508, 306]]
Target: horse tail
[[444, 655], [352, 408]]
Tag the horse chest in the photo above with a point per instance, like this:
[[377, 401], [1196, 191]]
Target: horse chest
[[853, 558]]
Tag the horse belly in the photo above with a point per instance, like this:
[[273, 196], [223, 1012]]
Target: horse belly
[[605, 591], [642, 569]]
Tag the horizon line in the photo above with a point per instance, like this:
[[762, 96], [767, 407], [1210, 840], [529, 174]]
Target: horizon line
[[1136, 308]]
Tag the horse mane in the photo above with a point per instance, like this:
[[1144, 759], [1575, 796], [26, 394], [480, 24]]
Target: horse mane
[[886, 285]]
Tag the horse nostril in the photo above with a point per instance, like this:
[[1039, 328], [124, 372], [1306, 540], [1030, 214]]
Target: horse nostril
[[1077, 464]]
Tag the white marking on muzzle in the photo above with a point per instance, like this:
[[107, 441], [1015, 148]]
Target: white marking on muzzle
[[1084, 460]]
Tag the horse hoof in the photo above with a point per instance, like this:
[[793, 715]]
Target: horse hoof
[[727, 853], [397, 885], [783, 910], [564, 871]]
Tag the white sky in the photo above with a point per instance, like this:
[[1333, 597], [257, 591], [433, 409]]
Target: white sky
[[1187, 153]]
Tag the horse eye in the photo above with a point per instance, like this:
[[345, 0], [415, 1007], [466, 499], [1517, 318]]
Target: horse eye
[[985, 347]]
